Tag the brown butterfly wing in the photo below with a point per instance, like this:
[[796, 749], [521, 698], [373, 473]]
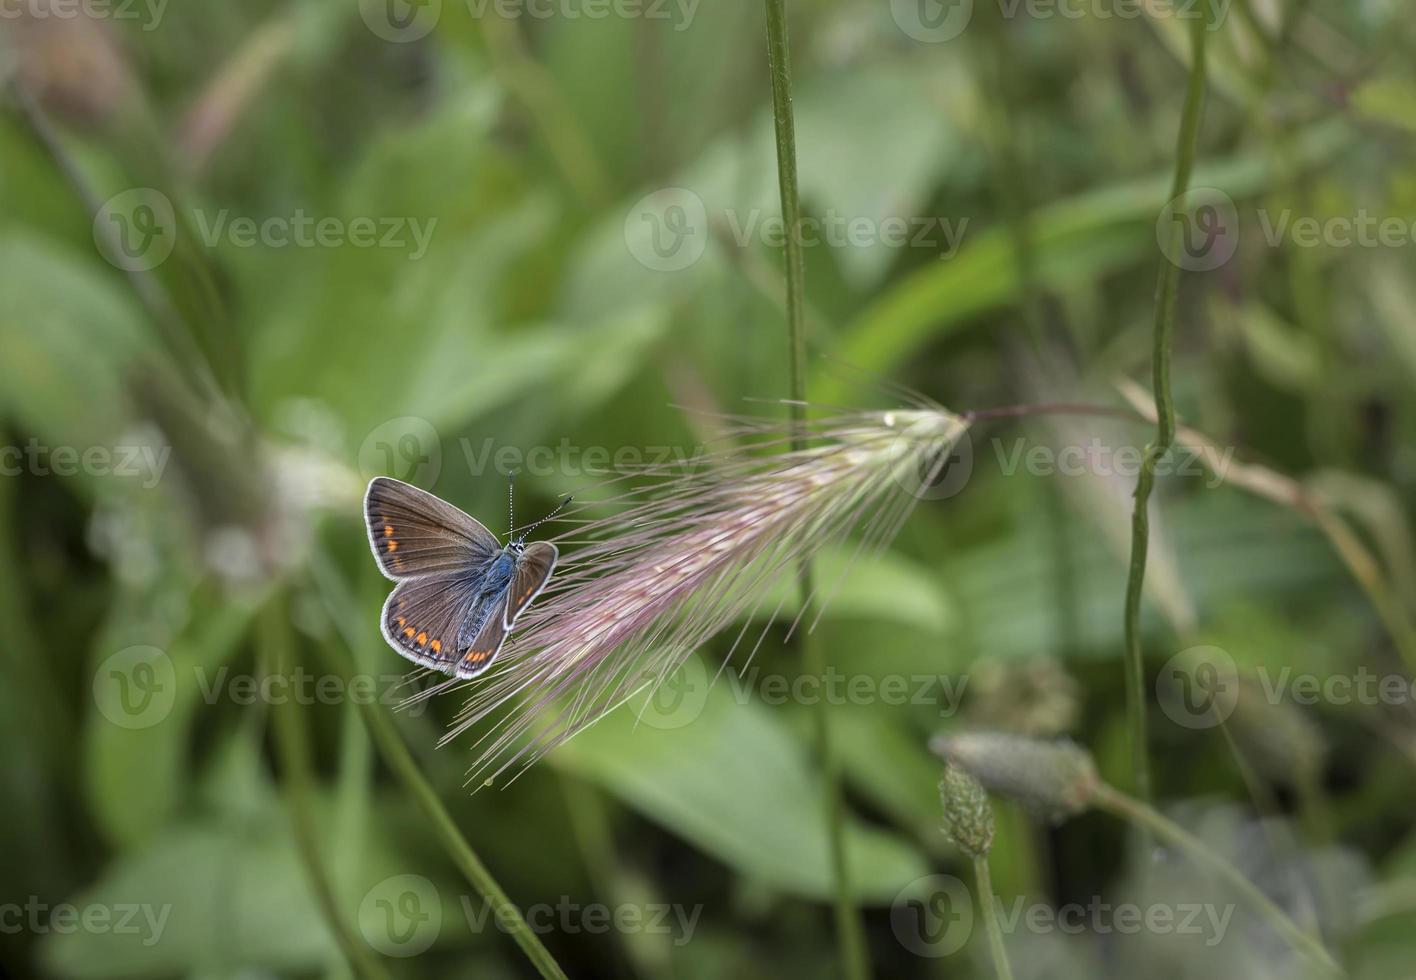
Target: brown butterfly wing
[[414, 534], [533, 571], [422, 617]]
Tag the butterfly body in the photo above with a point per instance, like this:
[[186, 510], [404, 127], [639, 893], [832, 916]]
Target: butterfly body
[[496, 579], [459, 590]]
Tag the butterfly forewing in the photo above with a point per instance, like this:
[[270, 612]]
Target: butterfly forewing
[[533, 571], [414, 534]]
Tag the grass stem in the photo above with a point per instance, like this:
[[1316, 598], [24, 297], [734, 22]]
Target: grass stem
[[1165, 418], [983, 882], [849, 933]]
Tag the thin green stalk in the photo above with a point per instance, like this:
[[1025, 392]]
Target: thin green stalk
[[849, 933], [1165, 418], [1139, 813], [379, 720], [294, 753], [989, 906]]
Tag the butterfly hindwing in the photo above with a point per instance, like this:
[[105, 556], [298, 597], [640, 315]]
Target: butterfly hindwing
[[422, 618], [533, 571], [414, 534], [486, 644]]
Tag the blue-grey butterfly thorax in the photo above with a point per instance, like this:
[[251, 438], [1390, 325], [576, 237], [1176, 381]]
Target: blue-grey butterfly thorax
[[495, 582], [503, 567]]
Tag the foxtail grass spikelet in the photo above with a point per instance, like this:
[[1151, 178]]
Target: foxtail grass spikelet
[[968, 819], [694, 550]]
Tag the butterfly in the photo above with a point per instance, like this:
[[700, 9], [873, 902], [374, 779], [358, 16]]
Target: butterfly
[[459, 589]]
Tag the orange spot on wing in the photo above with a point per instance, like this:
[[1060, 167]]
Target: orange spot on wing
[[402, 621], [422, 638], [392, 546], [388, 530], [408, 631], [437, 646]]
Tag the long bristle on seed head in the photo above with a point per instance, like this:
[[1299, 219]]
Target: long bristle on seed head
[[685, 551]]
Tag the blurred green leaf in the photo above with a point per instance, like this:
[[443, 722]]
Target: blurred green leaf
[[738, 785]]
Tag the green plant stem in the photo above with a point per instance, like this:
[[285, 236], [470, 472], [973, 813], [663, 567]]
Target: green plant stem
[[294, 753], [1141, 814], [1165, 420], [984, 886], [379, 720], [849, 934]]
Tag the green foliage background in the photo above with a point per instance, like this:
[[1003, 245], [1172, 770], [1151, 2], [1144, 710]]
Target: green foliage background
[[273, 373]]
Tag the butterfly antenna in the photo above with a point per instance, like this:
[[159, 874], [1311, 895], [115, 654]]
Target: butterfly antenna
[[510, 503], [559, 507]]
